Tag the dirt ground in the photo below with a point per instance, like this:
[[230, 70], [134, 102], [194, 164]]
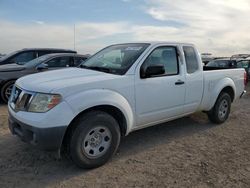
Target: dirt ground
[[189, 152]]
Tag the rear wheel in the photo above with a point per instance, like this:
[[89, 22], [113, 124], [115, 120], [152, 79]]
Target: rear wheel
[[221, 110], [94, 140], [6, 90]]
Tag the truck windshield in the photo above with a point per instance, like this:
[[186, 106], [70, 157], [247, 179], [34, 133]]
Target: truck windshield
[[115, 59]]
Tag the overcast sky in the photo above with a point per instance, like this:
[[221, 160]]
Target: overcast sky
[[221, 27]]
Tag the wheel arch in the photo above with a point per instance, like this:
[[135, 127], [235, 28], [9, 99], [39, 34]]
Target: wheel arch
[[224, 85], [230, 91], [110, 109]]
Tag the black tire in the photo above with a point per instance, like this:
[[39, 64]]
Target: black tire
[[5, 89], [79, 142], [221, 110]]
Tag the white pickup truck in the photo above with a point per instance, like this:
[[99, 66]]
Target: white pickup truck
[[120, 89]]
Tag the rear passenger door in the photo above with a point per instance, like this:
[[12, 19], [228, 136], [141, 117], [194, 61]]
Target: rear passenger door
[[161, 97], [194, 79]]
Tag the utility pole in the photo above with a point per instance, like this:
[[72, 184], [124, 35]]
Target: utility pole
[[74, 36]]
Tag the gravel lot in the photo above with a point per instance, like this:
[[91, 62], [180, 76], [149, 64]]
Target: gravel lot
[[189, 152]]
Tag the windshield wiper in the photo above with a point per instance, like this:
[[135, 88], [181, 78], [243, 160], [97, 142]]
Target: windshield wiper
[[83, 66], [102, 69]]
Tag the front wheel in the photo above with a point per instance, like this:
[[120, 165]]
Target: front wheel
[[221, 110], [6, 90], [95, 139]]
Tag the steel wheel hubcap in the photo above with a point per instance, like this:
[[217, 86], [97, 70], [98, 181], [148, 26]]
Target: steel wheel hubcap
[[97, 142], [223, 109], [8, 91]]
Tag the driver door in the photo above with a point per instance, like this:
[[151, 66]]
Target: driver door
[[160, 97]]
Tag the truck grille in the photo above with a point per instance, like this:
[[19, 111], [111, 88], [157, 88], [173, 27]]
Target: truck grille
[[20, 99]]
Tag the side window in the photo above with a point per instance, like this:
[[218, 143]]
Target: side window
[[79, 60], [166, 56], [191, 59], [59, 62], [41, 53], [24, 57], [243, 64], [71, 62], [224, 64]]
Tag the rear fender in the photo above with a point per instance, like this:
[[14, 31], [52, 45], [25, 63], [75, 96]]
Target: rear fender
[[216, 88]]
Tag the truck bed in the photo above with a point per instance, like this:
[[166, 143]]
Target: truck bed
[[215, 77]]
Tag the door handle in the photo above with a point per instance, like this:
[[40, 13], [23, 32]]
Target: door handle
[[179, 82]]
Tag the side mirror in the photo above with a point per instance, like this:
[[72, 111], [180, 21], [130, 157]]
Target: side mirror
[[153, 70], [42, 66]]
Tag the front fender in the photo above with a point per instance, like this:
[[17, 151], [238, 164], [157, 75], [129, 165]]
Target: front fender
[[96, 97]]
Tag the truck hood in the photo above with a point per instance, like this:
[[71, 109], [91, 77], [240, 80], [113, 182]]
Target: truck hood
[[11, 68], [59, 79]]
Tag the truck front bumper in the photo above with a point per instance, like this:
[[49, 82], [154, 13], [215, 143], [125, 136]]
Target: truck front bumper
[[44, 130], [44, 138]]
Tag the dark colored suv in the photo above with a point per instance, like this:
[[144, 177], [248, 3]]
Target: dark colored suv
[[231, 63], [222, 63], [246, 65], [11, 72], [28, 54]]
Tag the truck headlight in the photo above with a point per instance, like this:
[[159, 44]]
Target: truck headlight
[[44, 102]]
